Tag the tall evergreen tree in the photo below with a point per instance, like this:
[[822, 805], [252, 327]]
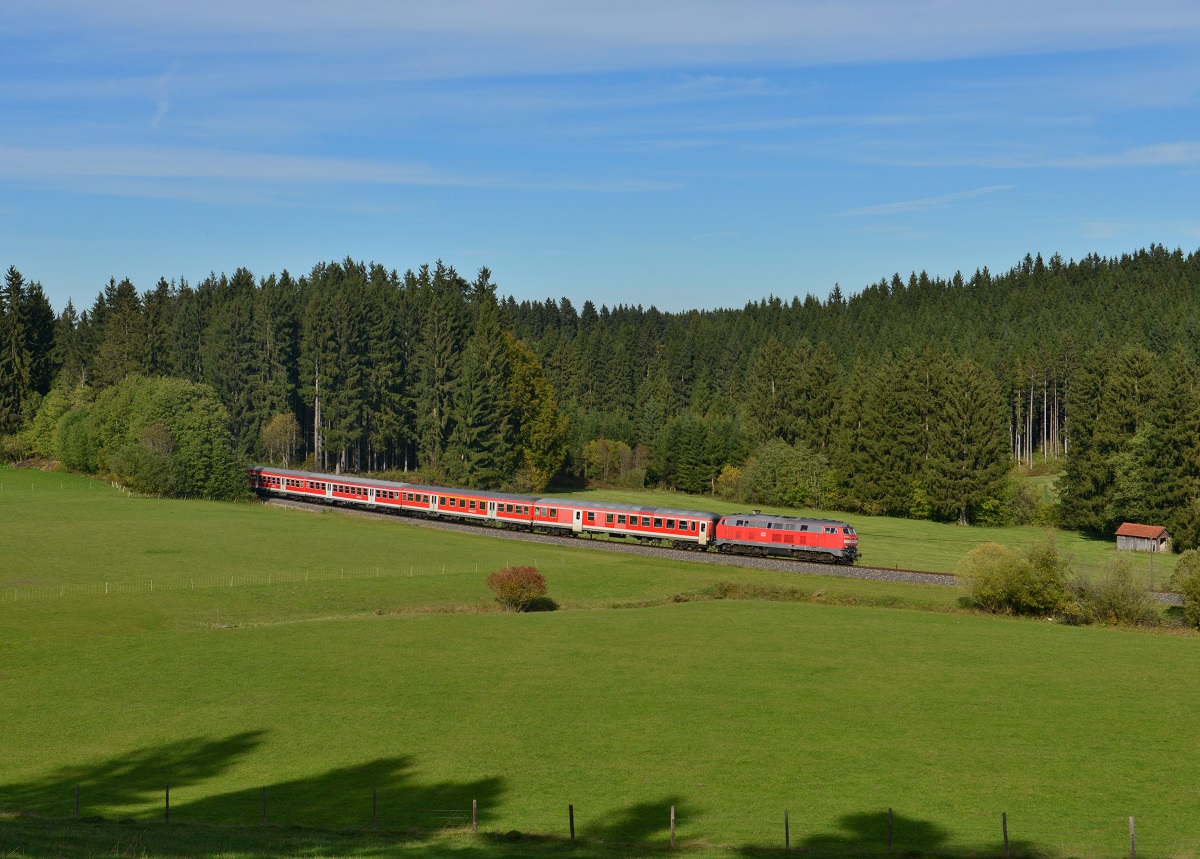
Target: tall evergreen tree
[[121, 349], [772, 401], [969, 450], [478, 453], [442, 327], [15, 357]]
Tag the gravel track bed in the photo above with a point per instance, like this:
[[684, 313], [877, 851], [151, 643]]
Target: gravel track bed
[[878, 574], [785, 566]]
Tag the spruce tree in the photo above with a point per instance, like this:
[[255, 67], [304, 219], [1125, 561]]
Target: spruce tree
[[772, 399], [15, 358], [969, 451], [39, 335], [478, 453]]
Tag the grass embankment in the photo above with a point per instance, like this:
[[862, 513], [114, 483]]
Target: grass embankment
[[918, 545], [729, 710]]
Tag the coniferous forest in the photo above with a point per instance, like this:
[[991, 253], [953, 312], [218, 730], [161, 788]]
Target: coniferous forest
[[917, 396]]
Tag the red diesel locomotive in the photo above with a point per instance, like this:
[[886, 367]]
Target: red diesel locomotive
[[743, 533]]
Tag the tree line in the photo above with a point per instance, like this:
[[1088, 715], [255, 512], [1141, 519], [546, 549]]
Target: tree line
[[914, 397]]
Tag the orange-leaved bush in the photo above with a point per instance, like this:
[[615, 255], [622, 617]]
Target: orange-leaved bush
[[517, 588]]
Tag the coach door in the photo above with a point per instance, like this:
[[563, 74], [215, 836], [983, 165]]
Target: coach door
[[491, 509], [433, 503], [703, 534], [577, 521]]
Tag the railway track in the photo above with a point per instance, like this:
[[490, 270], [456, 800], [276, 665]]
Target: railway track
[[878, 574]]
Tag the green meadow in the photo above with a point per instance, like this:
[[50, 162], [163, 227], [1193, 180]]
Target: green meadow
[[390, 675]]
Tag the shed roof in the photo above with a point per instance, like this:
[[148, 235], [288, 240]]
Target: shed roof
[[1147, 532]]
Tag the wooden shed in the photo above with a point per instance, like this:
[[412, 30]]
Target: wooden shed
[[1143, 538]]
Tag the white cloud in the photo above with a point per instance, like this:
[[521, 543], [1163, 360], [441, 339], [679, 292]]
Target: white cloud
[[922, 205], [182, 174], [477, 37]]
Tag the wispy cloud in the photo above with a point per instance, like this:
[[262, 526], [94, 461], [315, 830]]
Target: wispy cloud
[[465, 37], [108, 167], [922, 205]]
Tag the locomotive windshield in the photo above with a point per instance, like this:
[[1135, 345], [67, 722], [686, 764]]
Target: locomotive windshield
[[847, 530]]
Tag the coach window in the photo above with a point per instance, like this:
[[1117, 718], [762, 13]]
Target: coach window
[[591, 517], [693, 525], [553, 512], [670, 524], [621, 519], [608, 518], [645, 521], [657, 523]]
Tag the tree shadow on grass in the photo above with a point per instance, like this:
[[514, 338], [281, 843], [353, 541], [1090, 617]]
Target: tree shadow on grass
[[866, 834], [131, 779], [640, 823], [381, 793]]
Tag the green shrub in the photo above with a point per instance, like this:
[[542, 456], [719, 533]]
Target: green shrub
[[631, 478], [518, 588], [1002, 582], [1186, 580], [1116, 599], [781, 475], [161, 436]]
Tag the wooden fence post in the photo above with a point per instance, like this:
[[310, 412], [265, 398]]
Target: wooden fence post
[[76, 802], [571, 815], [475, 816], [168, 804], [374, 808], [1132, 841], [264, 799], [889, 830], [787, 835], [672, 826], [1004, 825]]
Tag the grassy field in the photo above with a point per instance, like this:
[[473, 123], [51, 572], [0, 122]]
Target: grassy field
[[409, 683], [920, 545]]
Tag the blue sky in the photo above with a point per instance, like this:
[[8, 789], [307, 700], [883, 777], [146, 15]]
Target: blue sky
[[682, 154]]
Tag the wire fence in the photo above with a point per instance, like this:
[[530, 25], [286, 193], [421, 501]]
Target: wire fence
[[24, 592], [879, 832]]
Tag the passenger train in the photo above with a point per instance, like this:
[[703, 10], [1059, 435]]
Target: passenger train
[[755, 533]]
